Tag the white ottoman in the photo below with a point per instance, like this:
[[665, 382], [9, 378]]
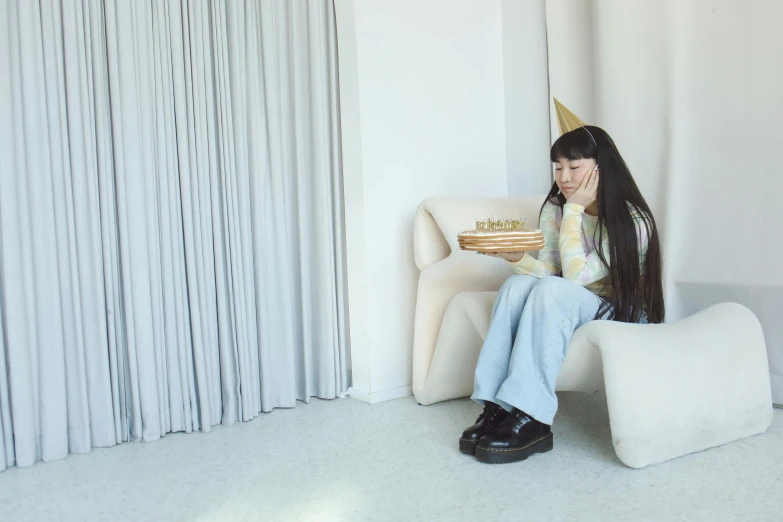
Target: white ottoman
[[671, 389]]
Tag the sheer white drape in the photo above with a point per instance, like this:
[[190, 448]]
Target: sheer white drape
[[171, 248], [689, 93]]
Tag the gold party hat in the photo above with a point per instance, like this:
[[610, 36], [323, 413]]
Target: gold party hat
[[566, 120]]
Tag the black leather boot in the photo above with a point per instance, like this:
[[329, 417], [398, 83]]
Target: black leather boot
[[492, 416], [516, 439]]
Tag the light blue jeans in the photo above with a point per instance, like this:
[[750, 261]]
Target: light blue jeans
[[532, 323]]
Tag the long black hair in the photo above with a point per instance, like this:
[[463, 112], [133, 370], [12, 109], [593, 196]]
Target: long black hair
[[635, 290]]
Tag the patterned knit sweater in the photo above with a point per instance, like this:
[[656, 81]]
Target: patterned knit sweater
[[570, 237]]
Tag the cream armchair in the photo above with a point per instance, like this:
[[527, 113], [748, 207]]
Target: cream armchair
[[446, 271], [706, 376]]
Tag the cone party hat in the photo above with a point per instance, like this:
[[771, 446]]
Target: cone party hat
[[566, 120]]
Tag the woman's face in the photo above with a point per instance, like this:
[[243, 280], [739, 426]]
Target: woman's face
[[569, 173]]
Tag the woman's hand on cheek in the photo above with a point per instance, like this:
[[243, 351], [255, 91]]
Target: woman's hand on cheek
[[587, 192]]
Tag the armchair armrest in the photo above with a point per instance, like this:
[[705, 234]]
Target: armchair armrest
[[438, 284]]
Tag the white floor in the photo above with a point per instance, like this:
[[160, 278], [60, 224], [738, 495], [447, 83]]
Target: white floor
[[347, 461]]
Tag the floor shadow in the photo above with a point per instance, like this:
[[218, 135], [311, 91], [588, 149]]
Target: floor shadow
[[585, 419]]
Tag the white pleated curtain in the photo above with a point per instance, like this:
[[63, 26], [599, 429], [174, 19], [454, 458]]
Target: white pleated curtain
[[171, 249]]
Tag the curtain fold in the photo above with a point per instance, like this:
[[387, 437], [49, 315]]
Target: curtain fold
[[171, 245]]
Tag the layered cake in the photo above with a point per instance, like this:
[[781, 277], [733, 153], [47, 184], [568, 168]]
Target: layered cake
[[503, 235]]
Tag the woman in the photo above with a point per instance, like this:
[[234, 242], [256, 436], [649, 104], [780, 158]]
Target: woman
[[601, 260]]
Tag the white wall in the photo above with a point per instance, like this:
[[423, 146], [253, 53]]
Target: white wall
[[527, 101], [690, 91], [570, 58], [424, 113], [728, 168], [439, 98]]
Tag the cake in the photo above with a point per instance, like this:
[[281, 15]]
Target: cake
[[503, 235]]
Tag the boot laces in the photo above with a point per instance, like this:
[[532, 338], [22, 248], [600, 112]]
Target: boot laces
[[490, 412]]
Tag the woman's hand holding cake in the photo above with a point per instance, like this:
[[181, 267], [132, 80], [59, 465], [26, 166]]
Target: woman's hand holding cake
[[511, 257]]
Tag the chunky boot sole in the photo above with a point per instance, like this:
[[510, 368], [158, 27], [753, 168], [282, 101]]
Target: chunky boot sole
[[467, 446], [504, 456]]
